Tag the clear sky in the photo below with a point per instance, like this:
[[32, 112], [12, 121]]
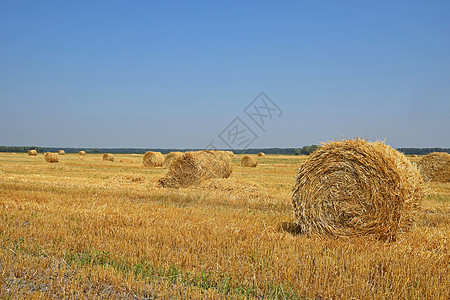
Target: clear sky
[[175, 73]]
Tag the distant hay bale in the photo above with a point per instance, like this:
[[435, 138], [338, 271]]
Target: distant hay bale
[[356, 187], [195, 167], [32, 152], [153, 159], [51, 157], [414, 155], [170, 158], [61, 152], [108, 157], [230, 153], [261, 154], [435, 167], [248, 161], [82, 153]]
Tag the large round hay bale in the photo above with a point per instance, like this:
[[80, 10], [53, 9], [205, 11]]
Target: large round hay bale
[[261, 154], [108, 157], [355, 187], [248, 161], [153, 159], [435, 167], [61, 152], [51, 157], [32, 152], [169, 158], [194, 167], [82, 153]]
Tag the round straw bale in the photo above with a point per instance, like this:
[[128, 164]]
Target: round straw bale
[[435, 167], [82, 153], [170, 158], [194, 167], [108, 157], [51, 157], [356, 187], [261, 154], [153, 159], [32, 152], [248, 161], [230, 153], [61, 152]]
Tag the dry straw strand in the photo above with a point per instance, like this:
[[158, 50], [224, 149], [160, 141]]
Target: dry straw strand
[[170, 158], [356, 187], [248, 161], [153, 159], [61, 152], [32, 152], [108, 157], [435, 167], [51, 157], [195, 167]]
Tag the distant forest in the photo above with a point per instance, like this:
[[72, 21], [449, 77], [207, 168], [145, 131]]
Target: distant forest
[[288, 151]]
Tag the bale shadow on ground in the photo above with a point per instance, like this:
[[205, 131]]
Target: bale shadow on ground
[[291, 227]]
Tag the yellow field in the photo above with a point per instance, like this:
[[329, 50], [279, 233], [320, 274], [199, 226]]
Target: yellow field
[[84, 228]]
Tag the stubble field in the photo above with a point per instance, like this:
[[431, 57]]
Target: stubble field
[[86, 229]]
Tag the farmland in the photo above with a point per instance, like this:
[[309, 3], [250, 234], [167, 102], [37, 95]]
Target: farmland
[[87, 228]]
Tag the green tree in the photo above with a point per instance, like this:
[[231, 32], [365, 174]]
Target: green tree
[[306, 150]]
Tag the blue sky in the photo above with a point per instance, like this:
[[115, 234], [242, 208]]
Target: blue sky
[[175, 73]]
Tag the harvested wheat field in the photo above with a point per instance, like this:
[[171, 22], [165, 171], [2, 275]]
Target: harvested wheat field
[[85, 229]]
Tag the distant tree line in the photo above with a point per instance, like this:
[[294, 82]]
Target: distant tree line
[[422, 151], [19, 149], [305, 150]]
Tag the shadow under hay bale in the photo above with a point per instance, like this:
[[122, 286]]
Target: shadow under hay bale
[[194, 167], [435, 167], [169, 158], [153, 159], [248, 161], [108, 157], [51, 157], [291, 227], [355, 187]]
